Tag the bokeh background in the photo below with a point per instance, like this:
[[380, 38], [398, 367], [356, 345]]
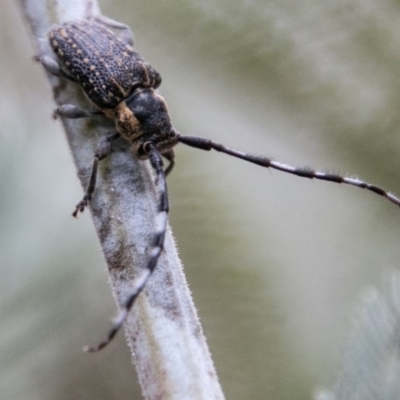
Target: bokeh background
[[277, 264]]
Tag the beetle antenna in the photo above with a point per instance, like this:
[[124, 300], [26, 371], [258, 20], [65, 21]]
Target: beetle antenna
[[304, 172], [155, 249]]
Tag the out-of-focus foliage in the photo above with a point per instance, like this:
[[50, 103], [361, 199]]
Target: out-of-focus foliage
[[276, 263], [371, 367]]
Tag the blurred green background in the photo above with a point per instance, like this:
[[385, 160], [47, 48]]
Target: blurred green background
[[276, 263]]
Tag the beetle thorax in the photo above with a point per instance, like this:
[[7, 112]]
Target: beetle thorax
[[127, 124]]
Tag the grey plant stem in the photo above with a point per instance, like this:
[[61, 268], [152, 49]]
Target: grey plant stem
[[163, 331]]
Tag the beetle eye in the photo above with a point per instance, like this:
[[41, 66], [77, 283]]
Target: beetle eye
[[146, 147]]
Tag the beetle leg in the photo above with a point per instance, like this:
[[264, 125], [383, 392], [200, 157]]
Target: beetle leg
[[170, 156], [102, 151], [52, 67], [126, 34], [71, 111]]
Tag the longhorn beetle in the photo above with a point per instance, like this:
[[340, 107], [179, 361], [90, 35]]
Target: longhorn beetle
[[123, 86]]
